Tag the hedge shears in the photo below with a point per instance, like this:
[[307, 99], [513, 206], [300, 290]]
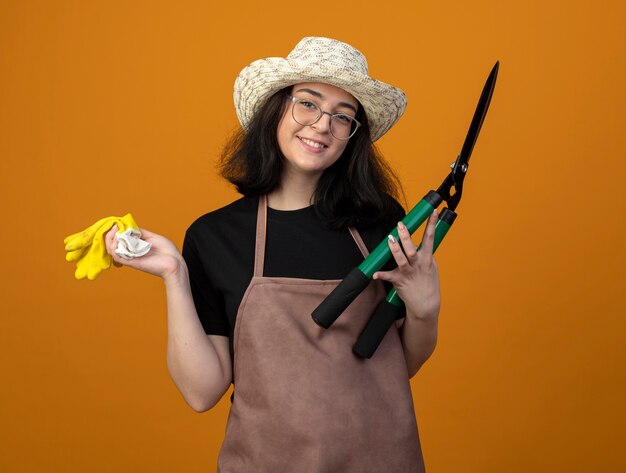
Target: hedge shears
[[450, 192]]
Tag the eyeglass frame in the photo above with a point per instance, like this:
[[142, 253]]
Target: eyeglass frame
[[295, 100]]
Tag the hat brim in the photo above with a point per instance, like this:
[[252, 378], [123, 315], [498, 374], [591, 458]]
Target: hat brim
[[383, 103]]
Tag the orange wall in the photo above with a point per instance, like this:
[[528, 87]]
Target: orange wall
[[117, 106]]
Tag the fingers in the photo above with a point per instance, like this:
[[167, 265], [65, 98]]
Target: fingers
[[389, 276], [405, 252], [401, 254], [147, 235], [428, 240], [110, 240], [407, 244], [396, 251], [111, 246]]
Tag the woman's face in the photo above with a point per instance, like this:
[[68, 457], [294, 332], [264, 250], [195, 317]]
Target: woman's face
[[311, 149]]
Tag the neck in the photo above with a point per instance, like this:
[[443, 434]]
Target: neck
[[294, 192]]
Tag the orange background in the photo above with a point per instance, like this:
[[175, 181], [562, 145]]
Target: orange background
[[117, 106]]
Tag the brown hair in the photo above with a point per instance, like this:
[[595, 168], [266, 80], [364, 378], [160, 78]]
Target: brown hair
[[357, 190]]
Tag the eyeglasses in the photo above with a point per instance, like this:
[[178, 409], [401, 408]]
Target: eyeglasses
[[307, 113]]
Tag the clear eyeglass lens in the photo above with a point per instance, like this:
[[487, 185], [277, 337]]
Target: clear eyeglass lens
[[307, 113]]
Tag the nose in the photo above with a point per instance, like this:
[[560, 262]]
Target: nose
[[323, 124]]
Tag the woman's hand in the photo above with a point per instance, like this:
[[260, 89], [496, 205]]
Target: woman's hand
[[417, 281], [163, 259], [416, 278]]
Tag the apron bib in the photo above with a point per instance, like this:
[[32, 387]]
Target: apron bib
[[304, 403]]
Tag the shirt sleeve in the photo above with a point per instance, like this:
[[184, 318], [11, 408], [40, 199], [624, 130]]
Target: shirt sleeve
[[208, 301]]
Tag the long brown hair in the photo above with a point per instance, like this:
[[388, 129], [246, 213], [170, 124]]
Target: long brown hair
[[357, 190]]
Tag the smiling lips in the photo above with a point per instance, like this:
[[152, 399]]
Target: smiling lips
[[312, 144]]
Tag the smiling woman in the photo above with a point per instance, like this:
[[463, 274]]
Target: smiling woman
[[316, 198], [355, 190], [305, 131]]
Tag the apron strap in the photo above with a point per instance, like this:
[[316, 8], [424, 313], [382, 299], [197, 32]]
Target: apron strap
[[259, 251], [261, 226], [359, 241]]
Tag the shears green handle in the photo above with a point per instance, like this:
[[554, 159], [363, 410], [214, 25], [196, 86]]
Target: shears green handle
[[392, 308], [358, 279]]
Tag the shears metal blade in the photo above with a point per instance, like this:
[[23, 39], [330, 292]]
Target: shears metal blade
[[452, 187]]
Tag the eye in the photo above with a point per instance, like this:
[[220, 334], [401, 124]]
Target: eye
[[343, 118], [307, 104]]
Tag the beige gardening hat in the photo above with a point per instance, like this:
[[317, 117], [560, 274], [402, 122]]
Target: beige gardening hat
[[324, 60]]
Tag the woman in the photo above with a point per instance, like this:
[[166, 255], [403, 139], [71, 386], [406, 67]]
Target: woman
[[316, 197]]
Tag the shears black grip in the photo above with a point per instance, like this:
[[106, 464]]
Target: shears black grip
[[341, 297], [376, 328]]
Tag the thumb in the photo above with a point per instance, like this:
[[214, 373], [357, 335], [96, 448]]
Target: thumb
[[388, 276], [146, 233]]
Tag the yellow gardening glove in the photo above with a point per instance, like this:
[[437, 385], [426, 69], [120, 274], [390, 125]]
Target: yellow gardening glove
[[88, 247], [77, 244]]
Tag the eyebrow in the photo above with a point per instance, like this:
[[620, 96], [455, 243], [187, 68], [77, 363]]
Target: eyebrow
[[315, 93]]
